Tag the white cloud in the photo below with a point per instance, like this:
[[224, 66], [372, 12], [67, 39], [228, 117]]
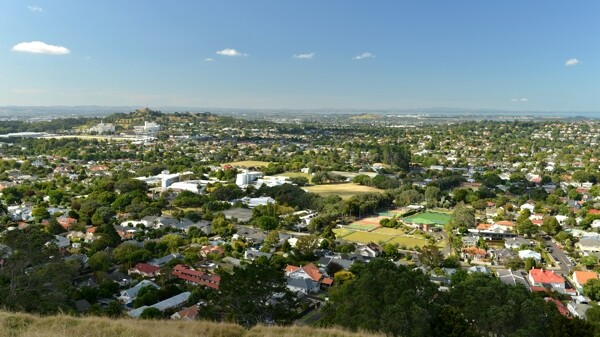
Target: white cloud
[[230, 52], [208, 59], [364, 55], [34, 8], [519, 99], [571, 62], [38, 47], [304, 56]]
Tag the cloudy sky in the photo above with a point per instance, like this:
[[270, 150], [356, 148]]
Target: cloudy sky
[[389, 54]]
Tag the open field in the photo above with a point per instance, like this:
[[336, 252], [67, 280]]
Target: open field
[[366, 237], [248, 163], [295, 174], [345, 191], [429, 218], [409, 241]]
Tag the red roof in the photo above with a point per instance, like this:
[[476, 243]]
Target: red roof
[[559, 305], [146, 268], [594, 211], [583, 276], [484, 226], [196, 276], [505, 223], [545, 276], [312, 271]]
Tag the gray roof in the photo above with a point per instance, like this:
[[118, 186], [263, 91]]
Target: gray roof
[[302, 283], [511, 277], [133, 291], [325, 261], [169, 303], [164, 260]]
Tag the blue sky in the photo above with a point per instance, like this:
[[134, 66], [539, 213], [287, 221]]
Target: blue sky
[[517, 55]]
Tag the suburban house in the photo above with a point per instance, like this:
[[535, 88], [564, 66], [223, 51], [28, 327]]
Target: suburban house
[[309, 271], [506, 225], [578, 309], [144, 269], [130, 294], [511, 277], [164, 260], [196, 276], [303, 285], [516, 243], [530, 254], [187, 314], [170, 303], [580, 277], [370, 250], [474, 254], [589, 245], [562, 309], [210, 249], [253, 254], [469, 241], [541, 279], [503, 256]]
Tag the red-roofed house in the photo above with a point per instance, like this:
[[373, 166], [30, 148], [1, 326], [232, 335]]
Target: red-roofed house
[[506, 225], [546, 279], [145, 270], [560, 306], [475, 254], [594, 211], [196, 276], [581, 277], [309, 271], [187, 314], [66, 222]]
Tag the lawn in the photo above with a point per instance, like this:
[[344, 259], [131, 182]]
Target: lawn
[[409, 241], [366, 237], [296, 174], [345, 191], [341, 232], [248, 163], [362, 226], [429, 218], [389, 231]]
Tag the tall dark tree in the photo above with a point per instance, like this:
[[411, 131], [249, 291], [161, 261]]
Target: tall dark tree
[[253, 295]]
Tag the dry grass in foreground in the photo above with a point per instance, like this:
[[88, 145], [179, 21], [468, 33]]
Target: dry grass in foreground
[[25, 325]]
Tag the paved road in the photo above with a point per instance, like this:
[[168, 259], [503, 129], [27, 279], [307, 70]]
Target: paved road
[[560, 256]]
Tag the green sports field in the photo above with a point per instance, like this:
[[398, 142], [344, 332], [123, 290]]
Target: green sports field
[[429, 218]]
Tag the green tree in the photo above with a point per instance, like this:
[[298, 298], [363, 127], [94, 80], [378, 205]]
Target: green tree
[[591, 289], [267, 222], [589, 261], [151, 313], [383, 297], [463, 216], [253, 295], [431, 256], [100, 261]]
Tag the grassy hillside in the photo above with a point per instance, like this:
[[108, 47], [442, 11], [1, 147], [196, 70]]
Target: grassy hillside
[[25, 325]]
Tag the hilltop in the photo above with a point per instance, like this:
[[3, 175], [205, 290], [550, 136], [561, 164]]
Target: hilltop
[[26, 325]]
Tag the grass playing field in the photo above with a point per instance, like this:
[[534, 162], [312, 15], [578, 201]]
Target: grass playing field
[[345, 191], [429, 218], [296, 174]]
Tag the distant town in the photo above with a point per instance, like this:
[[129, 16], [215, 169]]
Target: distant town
[[188, 216]]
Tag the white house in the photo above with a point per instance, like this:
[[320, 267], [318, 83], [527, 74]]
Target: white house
[[527, 253]]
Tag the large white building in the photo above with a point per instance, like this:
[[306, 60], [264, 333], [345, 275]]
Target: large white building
[[247, 178], [148, 127], [165, 178], [103, 128]]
